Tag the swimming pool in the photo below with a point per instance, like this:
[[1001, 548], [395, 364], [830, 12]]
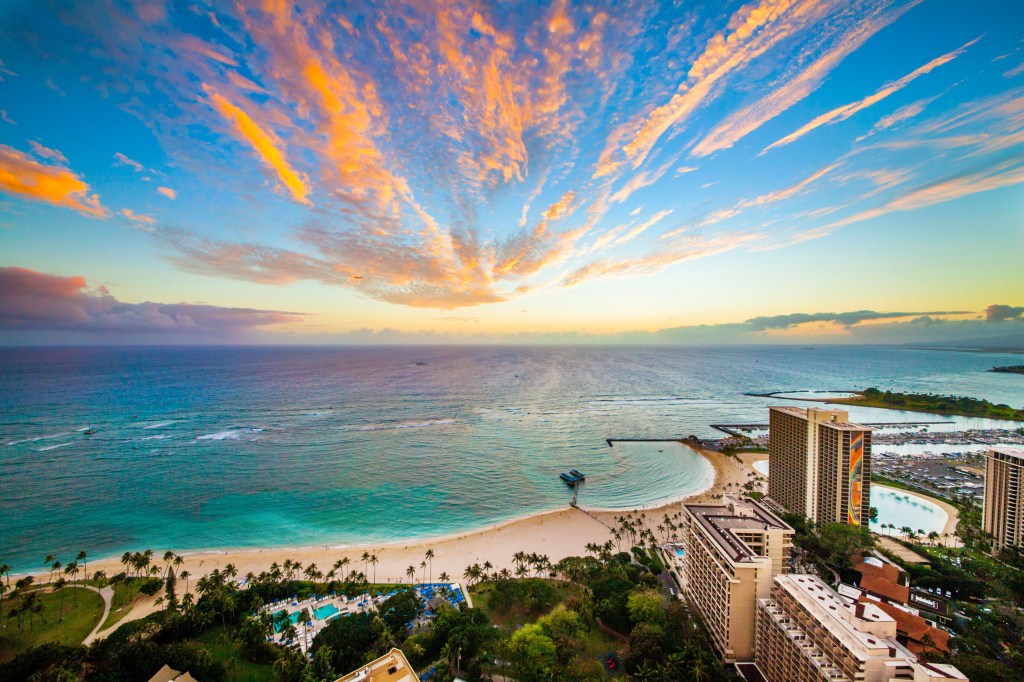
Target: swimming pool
[[901, 508], [326, 611], [679, 552], [898, 507]]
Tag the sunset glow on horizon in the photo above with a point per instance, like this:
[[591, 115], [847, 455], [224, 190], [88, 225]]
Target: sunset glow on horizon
[[433, 171]]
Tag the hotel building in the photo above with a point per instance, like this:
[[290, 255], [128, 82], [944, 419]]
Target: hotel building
[[391, 667], [732, 551], [807, 633], [1004, 503], [819, 464]]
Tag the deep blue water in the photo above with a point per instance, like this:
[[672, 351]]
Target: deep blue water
[[230, 447]]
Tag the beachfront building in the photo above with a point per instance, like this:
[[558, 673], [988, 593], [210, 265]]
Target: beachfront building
[[1004, 502], [807, 633], [819, 464], [731, 552], [391, 667]]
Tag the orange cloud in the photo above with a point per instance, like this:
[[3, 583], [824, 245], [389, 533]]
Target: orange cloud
[[167, 192], [265, 144], [137, 217], [26, 178], [753, 29]]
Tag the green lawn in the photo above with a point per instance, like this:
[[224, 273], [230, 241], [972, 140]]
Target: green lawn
[[225, 651], [79, 620], [121, 604]]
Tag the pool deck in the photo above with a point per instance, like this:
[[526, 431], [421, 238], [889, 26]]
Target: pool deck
[[307, 632]]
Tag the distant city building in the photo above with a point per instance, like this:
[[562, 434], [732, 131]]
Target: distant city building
[[819, 464], [807, 633], [1004, 503], [732, 551], [391, 667]]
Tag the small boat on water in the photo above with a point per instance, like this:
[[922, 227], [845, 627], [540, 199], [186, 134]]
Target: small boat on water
[[89, 432], [573, 477]]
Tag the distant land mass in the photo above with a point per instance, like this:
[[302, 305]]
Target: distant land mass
[[1009, 343], [936, 404], [1009, 369]]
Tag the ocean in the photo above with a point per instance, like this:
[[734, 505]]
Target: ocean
[[199, 448]]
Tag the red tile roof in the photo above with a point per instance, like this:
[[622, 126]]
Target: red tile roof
[[914, 628], [885, 588]]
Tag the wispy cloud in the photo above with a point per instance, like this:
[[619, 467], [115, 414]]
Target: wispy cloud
[[846, 111], [137, 217], [167, 192], [753, 29], [122, 160], [47, 153], [24, 177], [745, 121], [264, 143], [904, 113], [1004, 174]]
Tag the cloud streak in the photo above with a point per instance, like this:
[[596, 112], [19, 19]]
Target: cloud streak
[[266, 145], [26, 178], [846, 111], [745, 121]]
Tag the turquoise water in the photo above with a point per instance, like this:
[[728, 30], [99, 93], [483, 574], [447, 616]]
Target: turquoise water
[[325, 611], [904, 509], [201, 448]]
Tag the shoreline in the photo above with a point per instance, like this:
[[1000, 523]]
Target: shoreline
[[559, 533]]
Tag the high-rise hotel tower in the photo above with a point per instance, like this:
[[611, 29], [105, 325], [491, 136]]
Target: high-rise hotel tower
[[1004, 500], [819, 464]]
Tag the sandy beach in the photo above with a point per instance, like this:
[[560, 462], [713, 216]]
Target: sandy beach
[[556, 534]]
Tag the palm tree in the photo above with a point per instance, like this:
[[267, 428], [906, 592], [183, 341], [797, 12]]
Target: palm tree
[[411, 572], [50, 558], [85, 564], [59, 587], [310, 571], [186, 575], [430, 557], [72, 570], [443, 577], [31, 605], [345, 561], [374, 560], [6, 568], [178, 561], [366, 562]]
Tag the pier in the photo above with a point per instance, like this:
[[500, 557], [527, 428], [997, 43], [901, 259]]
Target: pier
[[738, 429], [611, 441]]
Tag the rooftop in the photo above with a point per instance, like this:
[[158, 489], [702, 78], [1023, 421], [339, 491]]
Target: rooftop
[[838, 425], [723, 521], [391, 667], [915, 628], [1006, 450], [854, 625]]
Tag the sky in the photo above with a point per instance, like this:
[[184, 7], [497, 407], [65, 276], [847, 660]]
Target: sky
[[775, 171]]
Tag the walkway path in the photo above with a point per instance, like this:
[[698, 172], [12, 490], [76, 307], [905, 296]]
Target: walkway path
[[108, 597]]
